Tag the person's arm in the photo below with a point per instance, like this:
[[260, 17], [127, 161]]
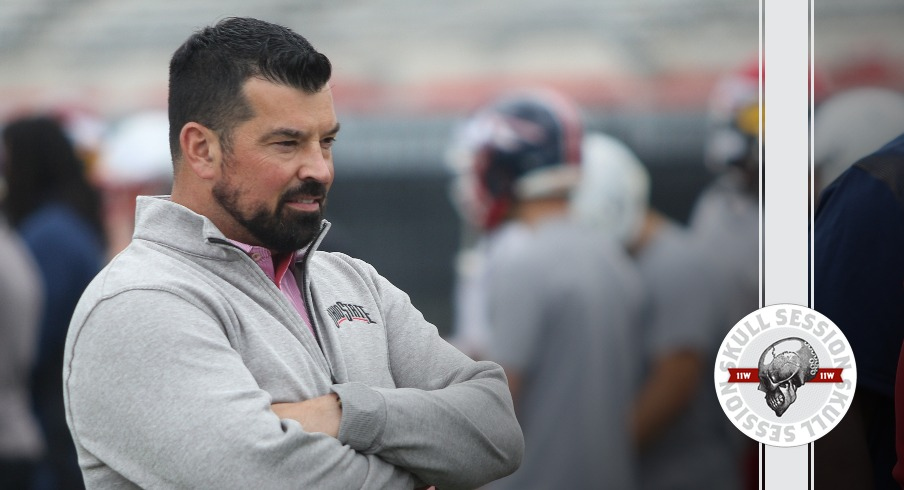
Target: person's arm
[[450, 420], [683, 315], [672, 384], [321, 414], [438, 423], [156, 393]]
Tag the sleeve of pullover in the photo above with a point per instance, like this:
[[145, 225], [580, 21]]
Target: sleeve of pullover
[[156, 393], [450, 421]]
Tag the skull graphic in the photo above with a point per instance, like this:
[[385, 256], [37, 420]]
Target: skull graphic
[[784, 367]]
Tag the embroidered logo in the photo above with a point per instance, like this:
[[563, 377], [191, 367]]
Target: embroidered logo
[[785, 375], [341, 312]]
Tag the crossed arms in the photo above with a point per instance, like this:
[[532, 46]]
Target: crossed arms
[[164, 400]]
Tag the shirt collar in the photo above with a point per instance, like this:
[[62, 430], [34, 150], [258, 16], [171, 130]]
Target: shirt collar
[[263, 257]]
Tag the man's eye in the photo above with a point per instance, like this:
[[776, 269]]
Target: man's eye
[[327, 142], [288, 143]]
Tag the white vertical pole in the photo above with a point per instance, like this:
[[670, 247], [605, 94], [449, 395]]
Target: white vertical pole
[[785, 191]]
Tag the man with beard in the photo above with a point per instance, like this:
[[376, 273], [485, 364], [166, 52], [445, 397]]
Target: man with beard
[[222, 350]]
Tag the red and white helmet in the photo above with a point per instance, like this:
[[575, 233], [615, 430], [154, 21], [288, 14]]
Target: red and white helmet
[[524, 145]]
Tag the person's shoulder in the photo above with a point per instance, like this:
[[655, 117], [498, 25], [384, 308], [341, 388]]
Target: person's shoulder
[[861, 214], [570, 247], [58, 225], [677, 259], [723, 205], [145, 265], [62, 243], [52, 220], [885, 165], [128, 269], [870, 185], [675, 243]]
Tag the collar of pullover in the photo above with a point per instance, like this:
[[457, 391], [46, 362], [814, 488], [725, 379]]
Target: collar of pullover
[[157, 216]]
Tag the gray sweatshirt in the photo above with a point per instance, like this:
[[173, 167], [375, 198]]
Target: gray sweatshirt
[[180, 345]]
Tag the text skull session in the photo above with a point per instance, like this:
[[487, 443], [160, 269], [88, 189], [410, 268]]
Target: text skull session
[[785, 375]]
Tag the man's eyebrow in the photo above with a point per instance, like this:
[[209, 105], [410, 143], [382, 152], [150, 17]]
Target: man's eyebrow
[[333, 131], [295, 133], [284, 133]]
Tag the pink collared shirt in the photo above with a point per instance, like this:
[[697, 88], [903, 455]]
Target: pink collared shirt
[[280, 272]]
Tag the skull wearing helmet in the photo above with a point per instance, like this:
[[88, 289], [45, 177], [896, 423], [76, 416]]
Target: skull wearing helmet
[[784, 367]]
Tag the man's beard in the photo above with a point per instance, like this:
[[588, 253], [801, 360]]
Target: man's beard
[[285, 229]]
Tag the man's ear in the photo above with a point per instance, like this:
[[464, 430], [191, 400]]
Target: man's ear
[[201, 150]]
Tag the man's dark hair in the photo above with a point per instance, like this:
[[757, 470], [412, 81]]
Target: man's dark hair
[[208, 71]]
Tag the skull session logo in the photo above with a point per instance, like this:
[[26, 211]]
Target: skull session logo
[[785, 375]]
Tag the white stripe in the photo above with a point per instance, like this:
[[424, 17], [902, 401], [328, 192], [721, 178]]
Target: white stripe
[[784, 206]]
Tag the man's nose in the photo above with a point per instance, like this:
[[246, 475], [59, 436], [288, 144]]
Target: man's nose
[[317, 164]]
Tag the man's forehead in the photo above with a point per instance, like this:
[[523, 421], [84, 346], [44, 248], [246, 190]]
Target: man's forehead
[[256, 85], [289, 107]]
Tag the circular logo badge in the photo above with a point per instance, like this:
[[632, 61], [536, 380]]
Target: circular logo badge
[[785, 375]]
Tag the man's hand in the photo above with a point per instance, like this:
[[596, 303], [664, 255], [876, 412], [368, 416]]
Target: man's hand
[[321, 414]]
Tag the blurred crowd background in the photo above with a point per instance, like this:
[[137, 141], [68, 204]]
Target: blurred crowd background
[[406, 73]]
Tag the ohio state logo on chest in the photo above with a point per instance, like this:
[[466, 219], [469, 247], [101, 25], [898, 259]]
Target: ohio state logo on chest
[[342, 312]]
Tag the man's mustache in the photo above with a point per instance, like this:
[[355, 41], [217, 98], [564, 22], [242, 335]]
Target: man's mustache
[[308, 188]]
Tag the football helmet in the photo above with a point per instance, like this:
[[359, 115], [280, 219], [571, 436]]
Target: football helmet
[[614, 191], [733, 119], [852, 124], [524, 145]]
